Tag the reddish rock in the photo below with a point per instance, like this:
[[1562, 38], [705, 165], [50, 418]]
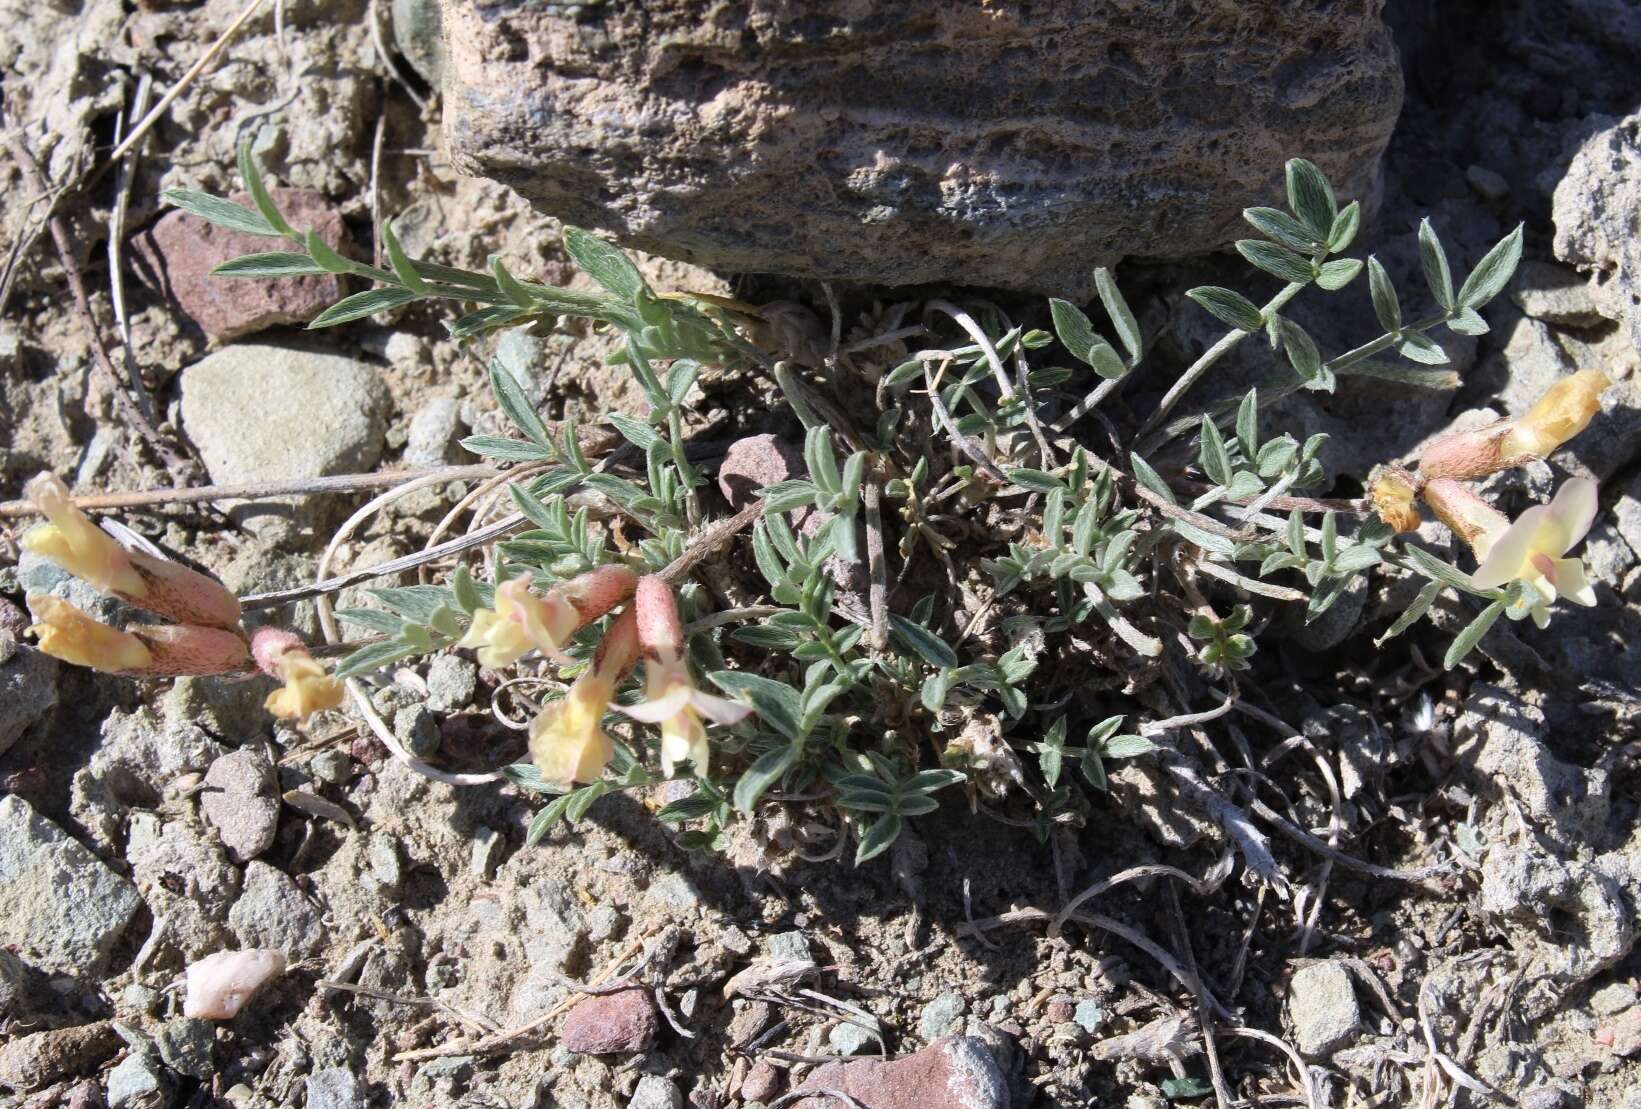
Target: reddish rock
[[175, 258], [762, 1083], [955, 1072], [620, 1023], [36, 1060], [755, 462]]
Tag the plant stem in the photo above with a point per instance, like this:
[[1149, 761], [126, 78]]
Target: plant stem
[[1213, 354]]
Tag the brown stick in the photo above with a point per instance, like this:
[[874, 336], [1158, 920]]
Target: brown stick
[[255, 490]]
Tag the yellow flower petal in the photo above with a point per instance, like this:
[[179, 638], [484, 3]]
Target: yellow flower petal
[[72, 541], [567, 740], [308, 688], [67, 633]]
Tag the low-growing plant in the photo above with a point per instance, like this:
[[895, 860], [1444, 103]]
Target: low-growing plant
[[1099, 555]]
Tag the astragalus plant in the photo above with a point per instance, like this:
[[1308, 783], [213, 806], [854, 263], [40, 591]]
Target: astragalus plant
[[980, 563]]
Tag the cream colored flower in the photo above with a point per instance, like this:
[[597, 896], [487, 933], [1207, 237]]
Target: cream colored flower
[[523, 621], [671, 697], [1392, 497], [141, 650], [1565, 409], [173, 590], [307, 688], [1534, 548], [68, 634], [72, 541], [568, 743]]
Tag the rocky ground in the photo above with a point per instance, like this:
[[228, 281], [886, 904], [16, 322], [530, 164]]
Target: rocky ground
[[1484, 953]]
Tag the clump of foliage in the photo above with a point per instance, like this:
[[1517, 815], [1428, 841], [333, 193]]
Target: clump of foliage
[[1096, 555]]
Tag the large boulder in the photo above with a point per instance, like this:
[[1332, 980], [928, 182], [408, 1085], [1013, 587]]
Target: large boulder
[[905, 141]]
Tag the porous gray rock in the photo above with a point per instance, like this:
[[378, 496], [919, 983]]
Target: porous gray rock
[[433, 430], [1594, 213], [259, 412], [1322, 1005], [856, 142], [65, 908], [138, 1080], [271, 912], [28, 689], [186, 880]]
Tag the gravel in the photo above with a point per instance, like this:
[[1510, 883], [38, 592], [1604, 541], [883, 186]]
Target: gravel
[[655, 1092]]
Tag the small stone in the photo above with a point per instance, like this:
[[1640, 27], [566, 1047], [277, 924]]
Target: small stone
[[1545, 1097], [1488, 184], [735, 941], [1089, 1015], [332, 766], [656, 1092], [241, 801], [952, 1073], [523, 356], [754, 463], [621, 1023], [487, 845], [433, 432], [259, 412], [850, 1039], [41, 1058], [451, 683], [762, 1082], [336, 1088], [604, 923], [138, 998], [65, 908], [386, 868], [788, 947], [673, 891], [271, 912], [175, 258], [941, 1016], [185, 1046], [418, 729], [1613, 998], [137, 1077], [28, 689], [749, 1021], [1322, 1005], [1060, 1010]]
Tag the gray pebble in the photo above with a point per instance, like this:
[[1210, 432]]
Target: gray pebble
[[850, 1039], [418, 729], [655, 1092], [185, 1046], [333, 766], [451, 683], [941, 1016]]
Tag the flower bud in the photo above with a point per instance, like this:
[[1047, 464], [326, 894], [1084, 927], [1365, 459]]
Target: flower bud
[[71, 540], [1392, 496], [307, 688]]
